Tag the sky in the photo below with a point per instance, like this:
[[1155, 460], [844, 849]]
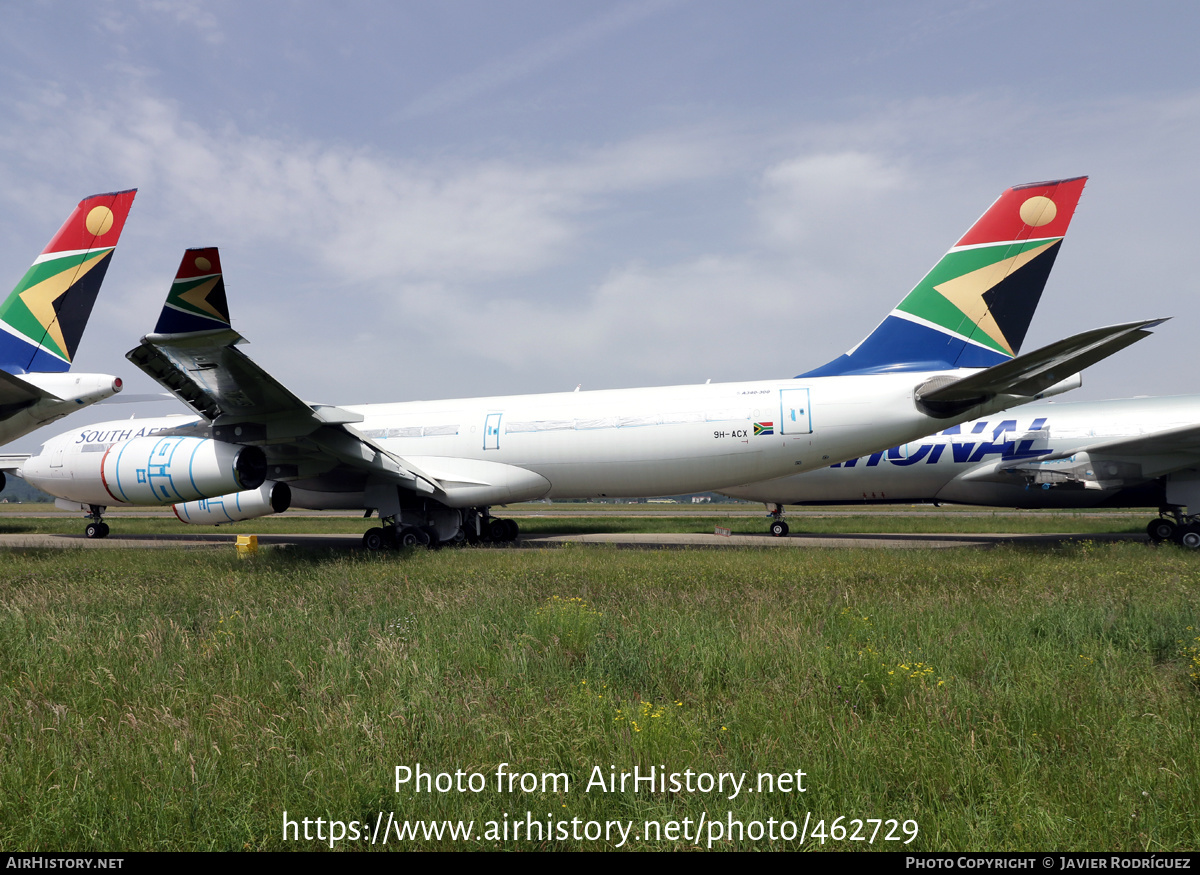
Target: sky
[[420, 200]]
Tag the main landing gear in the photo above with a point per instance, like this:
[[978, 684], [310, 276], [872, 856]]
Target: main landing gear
[[97, 528], [390, 536], [1180, 528], [474, 526], [778, 527], [498, 532]]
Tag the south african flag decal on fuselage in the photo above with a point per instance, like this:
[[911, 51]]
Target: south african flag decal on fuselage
[[761, 428]]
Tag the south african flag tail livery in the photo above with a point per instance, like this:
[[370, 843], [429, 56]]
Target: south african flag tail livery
[[973, 308], [42, 320], [44, 316]]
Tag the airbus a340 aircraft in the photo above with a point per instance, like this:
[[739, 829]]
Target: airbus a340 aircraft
[[1137, 452], [433, 469], [42, 320]]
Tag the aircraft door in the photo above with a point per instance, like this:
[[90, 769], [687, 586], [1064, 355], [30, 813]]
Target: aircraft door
[[491, 432], [796, 415]]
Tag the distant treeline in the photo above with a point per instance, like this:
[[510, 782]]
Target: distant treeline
[[17, 490]]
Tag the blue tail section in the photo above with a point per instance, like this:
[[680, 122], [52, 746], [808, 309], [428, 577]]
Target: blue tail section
[[898, 344]]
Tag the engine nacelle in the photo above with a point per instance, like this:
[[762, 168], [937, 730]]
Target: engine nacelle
[[271, 497], [164, 470]]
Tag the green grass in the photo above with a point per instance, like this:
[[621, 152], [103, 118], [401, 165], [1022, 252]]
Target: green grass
[[1002, 699]]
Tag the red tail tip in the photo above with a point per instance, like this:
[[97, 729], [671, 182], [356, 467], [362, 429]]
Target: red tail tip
[[95, 224], [1032, 211], [199, 262]]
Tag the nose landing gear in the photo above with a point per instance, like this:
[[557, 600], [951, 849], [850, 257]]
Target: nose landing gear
[[97, 528], [778, 527]]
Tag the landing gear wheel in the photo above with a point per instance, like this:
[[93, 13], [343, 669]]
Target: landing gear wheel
[[497, 530], [375, 539], [779, 529], [1160, 530], [511, 530], [408, 538], [1188, 536], [104, 530], [96, 530]]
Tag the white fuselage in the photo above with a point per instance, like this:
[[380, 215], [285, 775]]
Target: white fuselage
[[627, 442], [994, 461]]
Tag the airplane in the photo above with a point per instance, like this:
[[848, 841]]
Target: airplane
[[42, 320], [1134, 452], [432, 470]]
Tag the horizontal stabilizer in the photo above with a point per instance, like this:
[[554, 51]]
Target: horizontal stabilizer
[[13, 461], [138, 399], [1033, 373], [17, 393]]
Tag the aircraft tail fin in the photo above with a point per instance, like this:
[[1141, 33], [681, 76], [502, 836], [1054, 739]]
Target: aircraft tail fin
[[42, 320], [196, 302], [973, 308]]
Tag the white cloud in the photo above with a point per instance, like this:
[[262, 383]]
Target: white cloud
[[715, 317], [810, 196], [360, 215]]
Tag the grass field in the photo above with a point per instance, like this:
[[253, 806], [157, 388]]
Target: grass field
[[987, 700]]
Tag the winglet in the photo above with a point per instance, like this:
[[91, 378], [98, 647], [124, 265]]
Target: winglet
[[44, 316], [197, 300], [973, 309]]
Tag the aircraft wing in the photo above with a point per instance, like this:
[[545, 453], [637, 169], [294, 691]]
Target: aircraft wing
[[208, 373], [1035, 372], [1181, 440], [1136, 457], [193, 353]]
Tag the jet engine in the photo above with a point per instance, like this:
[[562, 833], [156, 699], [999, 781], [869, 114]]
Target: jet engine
[[271, 497], [162, 470]]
